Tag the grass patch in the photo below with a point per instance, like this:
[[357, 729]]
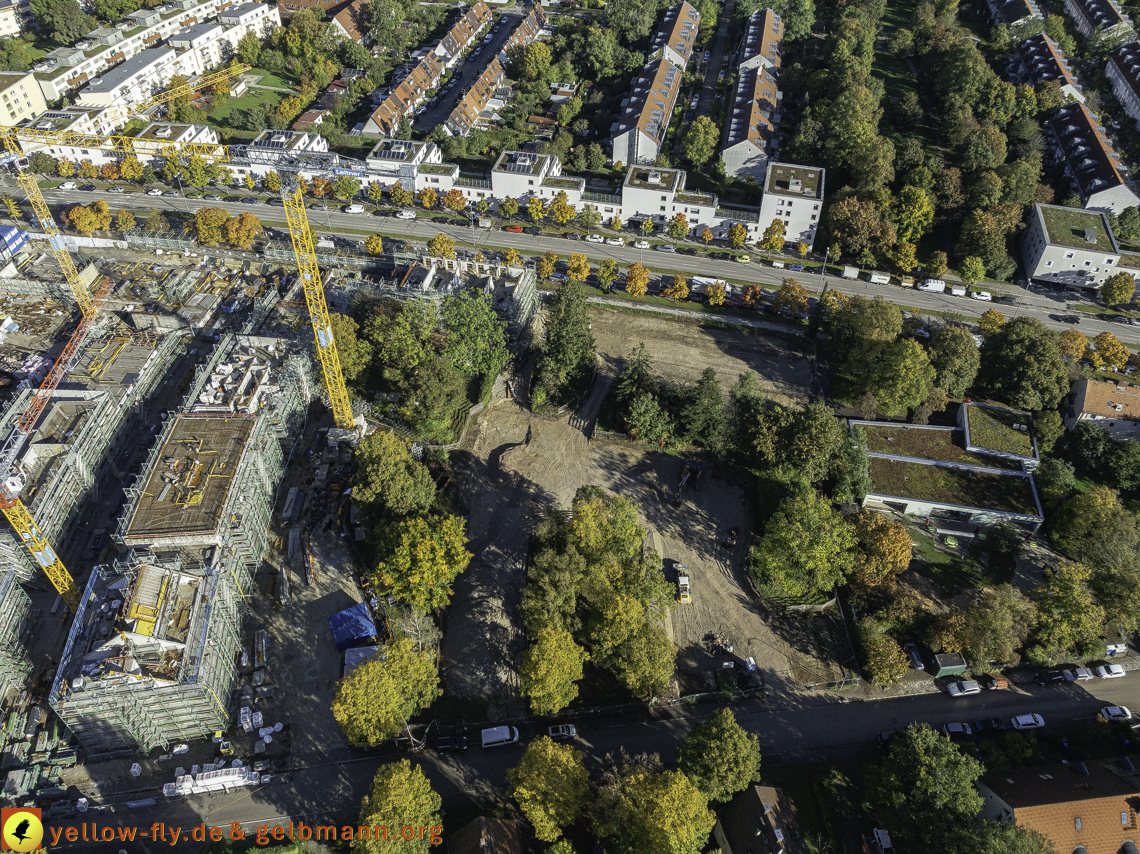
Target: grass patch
[[1100, 309], [937, 484], [951, 572], [221, 115], [927, 444], [1067, 227], [268, 78], [993, 428]]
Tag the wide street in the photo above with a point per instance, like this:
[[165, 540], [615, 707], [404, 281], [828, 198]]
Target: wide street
[[1039, 301], [817, 726]]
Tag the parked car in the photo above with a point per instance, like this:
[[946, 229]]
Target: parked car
[[594, 238], [447, 743], [318, 207], [743, 259], [984, 296], [798, 268], [71, 185], [405, 215], [641, 244], [114, 189], [915, 659], [1028, 722], [87, 188], [1118, 319], [278, 202], [213, 197], [169, 194], [1110, 671], [1079, 674], [1049, 677], [666, 247], [963, 688], [1069, 318], [957, 730], [249, 200], [514, 229], [573, 236], [559, 277], [921, 332], [562, 731], [1005, 300], [615, 241], [997, 683], [1116, 713], [533, 229], [989, 725]]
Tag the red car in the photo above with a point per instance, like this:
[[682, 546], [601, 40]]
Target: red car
[[514, 229]]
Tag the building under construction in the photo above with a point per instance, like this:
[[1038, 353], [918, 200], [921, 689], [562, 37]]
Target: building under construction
[[152, 654], [15, 609]]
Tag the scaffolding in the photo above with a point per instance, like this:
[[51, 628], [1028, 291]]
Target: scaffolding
[[15, 608]]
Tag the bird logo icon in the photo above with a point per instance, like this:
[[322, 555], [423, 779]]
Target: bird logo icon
[[22, 830]]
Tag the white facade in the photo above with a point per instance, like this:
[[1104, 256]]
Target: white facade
[[150, 141], [1066, 246], [10, 20], [793, 194], [138, 78], [21, 97]]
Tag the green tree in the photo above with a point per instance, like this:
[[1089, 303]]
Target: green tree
[[646, 421], [534, 61], [209, 225], [630, 19], [703, 415], [678, 227], [700, 141], [737, 235], [972, 270], [401, 796], [508, 207], [1021, 365], [997, 623], [476, 336], [649, 811], [595, 156], [589, 218], [355, 353], [551, 670], [551, 786], [376, 700], [1128, 223], [806, 548], [1048, 427], [568, 355], [902, 376], [62, 21], [345, 187], [637, 650], [1068, 621], [43, 164], [388, 482], [991, 322], [774, 236], [607, 273], [249, 49], [913, 213], [955, 358], [441, 246], [720, 757], [936, 266], [124, 220], [422, 559], [885, 660]]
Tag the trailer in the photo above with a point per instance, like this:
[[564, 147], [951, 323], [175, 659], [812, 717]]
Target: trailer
[[850, 273], [877, 278]]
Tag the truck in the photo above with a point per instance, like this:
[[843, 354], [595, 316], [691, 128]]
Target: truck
[[877, 278], [683, 595], [701, 284], [484, 221], [850, 273], [933, 285]]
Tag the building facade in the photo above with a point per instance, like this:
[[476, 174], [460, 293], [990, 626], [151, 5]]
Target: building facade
[[638, 135], [1038, 60], [750, 132], [464, 34], [526, 32], [11, 20], [1106, 15], [1079, 142], [1069, 247], [465, 115], [1123, 70], [422, 78], [21, 97], [793, 194]]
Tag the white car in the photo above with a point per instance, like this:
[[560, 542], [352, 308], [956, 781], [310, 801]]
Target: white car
[[1116, 713], [594, 238], [641, 244], [1110, 671], [615, 241], [68, 185], [154, 192], [666, 247], [1078, 674], [489, 39], [562, 731], [1028, 722], [984, 296], [963, 688], [406, 215]]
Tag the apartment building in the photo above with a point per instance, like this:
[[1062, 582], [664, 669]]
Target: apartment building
[[286, 8], [750, 133], [640, 132], [21, 97], [1014, 12], [1089, 15], [423, 77], [762, 43], [795, 195], [350, 22], [11, 19], [261, 19], [207, 40], [477, 99], [266, 152], [1123, 69], [403, 161], [464, 34], [677, 35], [1070, 247], [529, 30], [79, 120], [1038, 60], [1115, 406], [152, 142], [138, 78], [1079, 141]]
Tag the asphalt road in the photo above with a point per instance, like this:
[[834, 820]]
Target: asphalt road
[[825, 726], [1040, 301]]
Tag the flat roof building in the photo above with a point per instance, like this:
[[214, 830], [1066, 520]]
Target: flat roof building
[[21, 97], [1068, 246], [1115, 406], [795, 195], [1079, 141], [640, 132]]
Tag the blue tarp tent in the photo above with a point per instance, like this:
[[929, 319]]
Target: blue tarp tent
[[352, 627]]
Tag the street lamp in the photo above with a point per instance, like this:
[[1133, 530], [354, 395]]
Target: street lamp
[[823, 269], [1017, 308]]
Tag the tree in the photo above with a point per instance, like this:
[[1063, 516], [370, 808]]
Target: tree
[[646, 421], [508, 207], [242, 229], [720, 757], [972, 270], [703, 415], [637, 280], [249, 184], [806, 548], [856, 228], [884, 549], [156, 222], [109, 171], [476, 336], [678, 227], [11, 206], [354, 352], [568, 355], [579, 267], [646, 227], [249, 49], [774, 236], [885, 660], [376, 700], [41, 163], [1068, 621], [753, 295], [401, 796], [905, 256], [374, 244], [1073, 344], [561, 211], [422, 560], [589, 218], [924, 789], [441, 246], [511, 257], [551, 786], [707, 235], [901, 377], [1112, 353], [551, 670], [615, 222], [649, 811], [912, 213], [737, 235], [65, 168], [1128, 222], [607, 273], [376, 191], [87, 169], [991, 322], [936, 266], [546, 264], [792, 296], [595, 156], [533, 61], [428, 198], [125, 220], [678, 288], [1048, 427], [996, 625], [396, 193], [955, 358], [1022, 366], [455, 200], [700, 140], [630, 19], [62, 21], [209, 224], [536, 209]]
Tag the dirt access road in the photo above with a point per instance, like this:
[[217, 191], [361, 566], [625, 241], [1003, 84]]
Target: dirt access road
[[515, 464]]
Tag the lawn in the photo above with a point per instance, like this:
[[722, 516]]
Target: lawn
[[221, 115], [993, 428], [952, 572], [925, 482], [928, 444], [268, 78]]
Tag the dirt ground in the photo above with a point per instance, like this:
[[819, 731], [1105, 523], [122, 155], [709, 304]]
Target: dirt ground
[[513, 465]]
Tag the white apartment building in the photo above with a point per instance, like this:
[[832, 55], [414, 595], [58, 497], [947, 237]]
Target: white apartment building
[[795, 195], [1038, 60], [259, 18], [138, 78], [1123, 70], [761, 46], [1090, 161], [750, 133], [1088, 15], [640, 132], [11, 19], [151, 143], [403, 161], [20, 96], [266, 152], [1115, 406], [207, 40], [1070, 247], [677, 35]]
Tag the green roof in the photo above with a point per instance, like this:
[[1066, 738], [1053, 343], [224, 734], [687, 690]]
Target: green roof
[[1068, 227], [928, 443], [780, 176], [1009, 493], [437, 168], [993, 428]]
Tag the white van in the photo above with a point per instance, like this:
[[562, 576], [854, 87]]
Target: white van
[[498, 735], [877, 278], [935, 285], [779, 265], [984, 296], [354, 209], [957, 291], [850, 272]]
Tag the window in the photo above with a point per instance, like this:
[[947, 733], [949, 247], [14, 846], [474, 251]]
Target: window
[[663, 207], [1070, 254], [1124, 818], [1048, 263], [813, 216], [1108, 262], [1077, 821], [1088, 263], [531, 183], [780, 202]]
